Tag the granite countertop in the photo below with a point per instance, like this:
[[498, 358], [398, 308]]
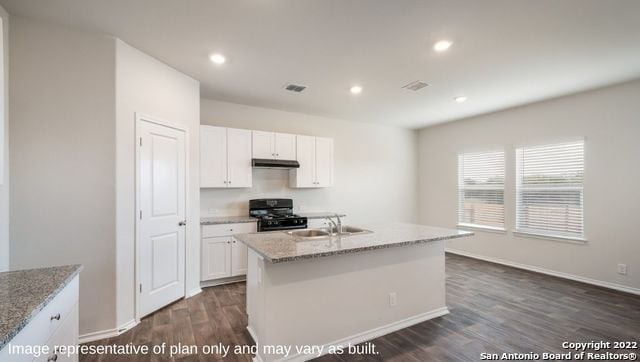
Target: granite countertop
[[24, 293], [216, 220], [278, 246]]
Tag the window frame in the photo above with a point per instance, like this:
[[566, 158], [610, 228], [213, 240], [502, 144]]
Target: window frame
[[480, 227], [528, 233]]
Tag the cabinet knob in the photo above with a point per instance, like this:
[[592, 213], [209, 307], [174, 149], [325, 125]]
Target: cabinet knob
[[182, 223], [228, 242], [53, 358], [55, 316]]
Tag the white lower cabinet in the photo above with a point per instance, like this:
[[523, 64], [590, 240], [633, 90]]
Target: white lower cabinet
[[216, 260], [55, 325], [222, 255]]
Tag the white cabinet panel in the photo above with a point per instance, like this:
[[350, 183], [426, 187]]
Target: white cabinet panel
[[315, 155], [213, 156], [263, 145], [238, 258], [305, 176], [285, 146], [216, 258], [324, 162], [225, 157], [222, 255], [239, 158]]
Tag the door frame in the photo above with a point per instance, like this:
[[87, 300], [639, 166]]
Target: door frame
[[139, 118]]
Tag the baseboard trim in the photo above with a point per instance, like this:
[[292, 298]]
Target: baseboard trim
[[229, 280], [107, 333], [366, 335], [599, 283], [194, 292], [95, 336]]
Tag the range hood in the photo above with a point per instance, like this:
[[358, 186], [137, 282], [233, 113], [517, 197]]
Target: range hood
[[271, 163]]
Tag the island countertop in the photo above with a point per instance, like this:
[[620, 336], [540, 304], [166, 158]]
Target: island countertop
[[24, 293], [279, 247]]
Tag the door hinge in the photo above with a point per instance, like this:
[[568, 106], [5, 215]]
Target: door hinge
[[140, 287]]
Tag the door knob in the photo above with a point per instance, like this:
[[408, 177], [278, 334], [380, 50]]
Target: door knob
[[182, 223]]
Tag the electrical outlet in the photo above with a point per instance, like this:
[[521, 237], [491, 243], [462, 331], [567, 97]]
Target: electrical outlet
[[622, 269], [393, 299]]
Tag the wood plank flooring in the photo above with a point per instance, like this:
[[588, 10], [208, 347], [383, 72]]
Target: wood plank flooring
[[494, 309]]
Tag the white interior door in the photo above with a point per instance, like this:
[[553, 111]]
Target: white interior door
[[263, 145], [285, 146], [160, 253]]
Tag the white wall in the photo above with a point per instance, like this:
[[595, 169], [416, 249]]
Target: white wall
[[148, 86], [4, 146], [609, 119], [375, 166], [62, 135]]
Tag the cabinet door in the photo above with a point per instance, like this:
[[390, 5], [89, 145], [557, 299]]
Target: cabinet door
[[216, 258], [305, 176], [324, 162], [238, 258], [285, 146], [213, 156], [239, 158], [263, 145]]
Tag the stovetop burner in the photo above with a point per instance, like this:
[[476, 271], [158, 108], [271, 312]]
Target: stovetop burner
[[276, 214]]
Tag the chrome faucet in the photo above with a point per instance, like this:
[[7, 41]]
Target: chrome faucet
[[333, 225]]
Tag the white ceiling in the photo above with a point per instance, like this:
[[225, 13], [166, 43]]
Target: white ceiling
[[505, 52]]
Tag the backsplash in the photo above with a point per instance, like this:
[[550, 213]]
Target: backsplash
[[267, 183]]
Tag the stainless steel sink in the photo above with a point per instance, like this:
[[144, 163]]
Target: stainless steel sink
[[352, 230], [324, 233], [310, 233]]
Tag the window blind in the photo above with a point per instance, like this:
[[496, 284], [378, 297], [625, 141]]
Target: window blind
[[481, 189], [549, 189]]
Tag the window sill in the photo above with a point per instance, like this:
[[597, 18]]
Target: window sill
[[566, 239], [490, 229]]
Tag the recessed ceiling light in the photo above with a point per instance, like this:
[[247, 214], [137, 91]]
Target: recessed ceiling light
[[460, 99], [218, 59], [356, 89], [442, 45]]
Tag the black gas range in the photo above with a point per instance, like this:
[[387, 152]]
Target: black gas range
[[276, 214]]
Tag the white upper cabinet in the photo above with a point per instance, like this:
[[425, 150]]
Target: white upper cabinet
[[263, 145], [285, 146], [213, 156], [270, 145], [240, 171], [315, 155], [324, 162], [225, 157]]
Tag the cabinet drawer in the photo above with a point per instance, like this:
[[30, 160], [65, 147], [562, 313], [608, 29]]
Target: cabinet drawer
[[42, 326], [60, 307], [65, 335], [211, 231]]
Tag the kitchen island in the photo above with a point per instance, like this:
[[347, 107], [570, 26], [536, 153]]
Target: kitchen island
[[305, 297]]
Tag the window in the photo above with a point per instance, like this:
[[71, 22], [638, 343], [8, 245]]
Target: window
[[549, 190], [481, 189]]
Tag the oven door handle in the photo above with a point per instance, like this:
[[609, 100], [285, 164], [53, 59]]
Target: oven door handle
[[277, 228]]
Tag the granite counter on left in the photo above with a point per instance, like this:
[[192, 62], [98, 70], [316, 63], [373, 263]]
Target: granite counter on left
[[25, 293]]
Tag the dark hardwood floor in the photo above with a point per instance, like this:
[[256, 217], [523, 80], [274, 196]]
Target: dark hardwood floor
[[494, 309]]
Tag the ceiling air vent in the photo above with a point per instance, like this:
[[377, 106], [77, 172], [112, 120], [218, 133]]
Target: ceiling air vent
[[417, 85], [295, 87]]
